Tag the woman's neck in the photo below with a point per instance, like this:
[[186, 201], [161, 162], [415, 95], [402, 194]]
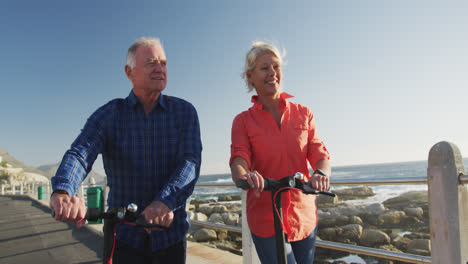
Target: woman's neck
[[270, 102]]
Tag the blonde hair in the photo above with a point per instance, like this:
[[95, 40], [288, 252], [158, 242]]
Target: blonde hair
[[258, 48], [144, 41]]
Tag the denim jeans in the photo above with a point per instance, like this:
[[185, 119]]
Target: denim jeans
[[125, 254], [298, 252]]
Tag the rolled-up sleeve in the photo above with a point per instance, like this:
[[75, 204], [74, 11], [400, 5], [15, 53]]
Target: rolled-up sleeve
[[316, 150], [240, 144], [183, 180], [79, 159]]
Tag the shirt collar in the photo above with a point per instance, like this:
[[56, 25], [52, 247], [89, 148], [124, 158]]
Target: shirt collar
[[133, 100], [283, 102]]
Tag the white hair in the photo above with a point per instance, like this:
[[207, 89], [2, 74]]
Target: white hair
[[145, 41], [257, 49]]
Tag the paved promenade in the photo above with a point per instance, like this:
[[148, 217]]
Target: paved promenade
[[28, 234]]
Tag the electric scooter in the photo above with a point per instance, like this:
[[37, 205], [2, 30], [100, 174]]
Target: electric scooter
[[276, 188], [117, 215], [126, 215]]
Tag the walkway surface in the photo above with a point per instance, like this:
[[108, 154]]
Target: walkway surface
[[28, 234]]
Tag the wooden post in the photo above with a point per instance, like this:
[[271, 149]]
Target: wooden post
[[448, 205], [249, 254]]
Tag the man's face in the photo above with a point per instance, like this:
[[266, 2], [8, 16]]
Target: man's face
[[150, 71]]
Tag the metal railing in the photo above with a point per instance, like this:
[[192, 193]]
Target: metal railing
[[447, 206], [379, 253]]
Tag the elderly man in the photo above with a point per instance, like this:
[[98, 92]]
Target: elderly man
[[151, 149]]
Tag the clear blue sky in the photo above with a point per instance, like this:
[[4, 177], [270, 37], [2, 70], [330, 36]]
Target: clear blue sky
[[386, 80]]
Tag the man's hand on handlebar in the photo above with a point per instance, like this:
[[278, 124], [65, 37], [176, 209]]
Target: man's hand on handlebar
[[68, 209], [158, 213]]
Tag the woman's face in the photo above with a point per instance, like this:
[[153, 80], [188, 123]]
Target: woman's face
[[266, 76]]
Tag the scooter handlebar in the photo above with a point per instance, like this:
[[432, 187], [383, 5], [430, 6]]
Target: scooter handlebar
[[93, 214], [270, 184]]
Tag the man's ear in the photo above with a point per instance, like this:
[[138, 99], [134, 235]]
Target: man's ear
[[128, 71]]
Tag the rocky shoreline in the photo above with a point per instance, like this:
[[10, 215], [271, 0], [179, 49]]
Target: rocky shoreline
[[398, 224]]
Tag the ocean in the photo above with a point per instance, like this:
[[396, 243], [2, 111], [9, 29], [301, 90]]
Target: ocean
[[386, 171]]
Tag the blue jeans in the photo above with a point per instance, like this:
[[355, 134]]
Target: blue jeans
[[300, 252], [125, 254]]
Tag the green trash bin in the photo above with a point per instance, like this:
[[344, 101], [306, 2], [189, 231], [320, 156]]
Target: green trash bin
[[95, 198], [40, 192]]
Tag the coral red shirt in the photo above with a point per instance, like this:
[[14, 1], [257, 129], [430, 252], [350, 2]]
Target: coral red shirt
[[276, 153]]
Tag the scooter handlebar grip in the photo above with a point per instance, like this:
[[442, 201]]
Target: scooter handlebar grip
[[243, 184], [92, 214]]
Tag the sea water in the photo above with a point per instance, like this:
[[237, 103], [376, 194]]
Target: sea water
[[389, 171]]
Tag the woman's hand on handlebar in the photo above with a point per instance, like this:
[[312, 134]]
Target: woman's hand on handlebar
[[68, 209], [320, 182], [255, 180]]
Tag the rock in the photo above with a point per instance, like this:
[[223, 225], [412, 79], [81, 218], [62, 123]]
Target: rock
[[230, 219], [351, 232], [224, 198], [355, 220], [370, 214], [200, 217], [220, 209], [375, 209], [190, 238], [190, 207], [348, 210], [420, 247], [234, 208], [409, 220], [371, 219], [342, 220], [199, 201], [354, 193], [204, 235], [205, 209], [416, 212], [325, 222], [373, 238], [330, 234], [323, 200], [401, 243], [236, 197], [216, 218], [411, 199], [391, 217]]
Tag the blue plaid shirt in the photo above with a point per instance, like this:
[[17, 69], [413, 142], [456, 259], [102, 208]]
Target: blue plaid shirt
[[154, 157]]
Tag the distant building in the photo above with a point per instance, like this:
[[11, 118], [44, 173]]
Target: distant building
[[0, 158]]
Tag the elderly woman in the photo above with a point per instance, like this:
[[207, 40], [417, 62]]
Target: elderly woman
[[276, 138]]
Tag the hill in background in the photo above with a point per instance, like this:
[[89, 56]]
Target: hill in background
[[16, 163], [46, 170]]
